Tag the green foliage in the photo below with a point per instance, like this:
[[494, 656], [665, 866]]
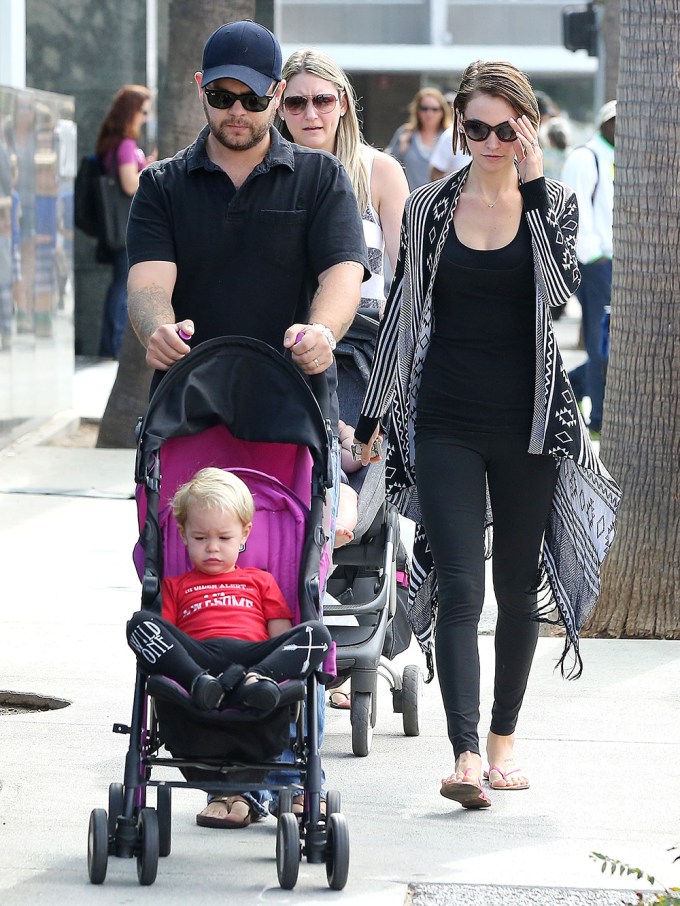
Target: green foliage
[[669, 896]]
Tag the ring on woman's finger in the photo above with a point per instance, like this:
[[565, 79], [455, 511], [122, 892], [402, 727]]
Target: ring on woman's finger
[[534, 143], [316, 363]]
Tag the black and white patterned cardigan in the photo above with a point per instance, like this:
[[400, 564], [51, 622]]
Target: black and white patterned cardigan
[[580, 529]]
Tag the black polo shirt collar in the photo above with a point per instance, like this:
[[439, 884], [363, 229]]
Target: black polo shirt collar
[[280, 153]]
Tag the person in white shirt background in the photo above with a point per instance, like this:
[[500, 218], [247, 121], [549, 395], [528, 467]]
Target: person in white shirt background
[[589, 170]]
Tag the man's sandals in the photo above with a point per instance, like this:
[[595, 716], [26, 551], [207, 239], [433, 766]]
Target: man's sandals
[[339, 700], [467, 792], [227, 812]]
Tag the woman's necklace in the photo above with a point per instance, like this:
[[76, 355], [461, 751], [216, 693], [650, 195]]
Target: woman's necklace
[[493, 203]]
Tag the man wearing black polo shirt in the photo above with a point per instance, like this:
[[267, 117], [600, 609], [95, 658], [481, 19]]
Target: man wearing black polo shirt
[[242, 232]]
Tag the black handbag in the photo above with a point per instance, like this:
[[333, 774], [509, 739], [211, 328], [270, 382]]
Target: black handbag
[[114, 208]]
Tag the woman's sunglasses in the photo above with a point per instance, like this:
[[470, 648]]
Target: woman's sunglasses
[[477, 131], [296, 104], [221, 99]]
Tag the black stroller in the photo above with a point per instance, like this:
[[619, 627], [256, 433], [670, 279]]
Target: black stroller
[[370, 579], [233, 403]]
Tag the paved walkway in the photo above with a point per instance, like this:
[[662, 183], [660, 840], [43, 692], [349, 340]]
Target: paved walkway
[[602, 752]]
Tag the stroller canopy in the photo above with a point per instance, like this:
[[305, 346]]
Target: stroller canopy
[[241, 383]]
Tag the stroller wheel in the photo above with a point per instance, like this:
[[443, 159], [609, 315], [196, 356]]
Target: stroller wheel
[[285, 801], [164, 813], [97, 846], [337, 852], [361, 718], [148, 843], [411, 698], [287, 850], [116, 805], [333, 803]]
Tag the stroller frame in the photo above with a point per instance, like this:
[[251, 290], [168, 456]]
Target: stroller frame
[[373, 559], [130, 828]]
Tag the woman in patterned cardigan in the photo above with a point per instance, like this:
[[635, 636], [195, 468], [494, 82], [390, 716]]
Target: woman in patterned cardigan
[[486, 431]]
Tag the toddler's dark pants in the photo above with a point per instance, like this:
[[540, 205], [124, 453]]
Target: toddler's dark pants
[[162, 648], [451, 474]]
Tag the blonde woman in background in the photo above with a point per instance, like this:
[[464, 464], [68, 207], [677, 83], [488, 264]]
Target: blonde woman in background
[[413, 142], [319, 110]]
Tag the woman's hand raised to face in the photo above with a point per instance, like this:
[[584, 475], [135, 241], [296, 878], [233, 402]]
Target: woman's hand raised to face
[[527, 149]]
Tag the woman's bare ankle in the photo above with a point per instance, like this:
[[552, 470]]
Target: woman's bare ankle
[[500, 750], [470, 763]]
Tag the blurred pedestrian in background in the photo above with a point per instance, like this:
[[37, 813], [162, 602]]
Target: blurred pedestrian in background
[[589, 170], [557, 146], [117, 148], [413, 142]]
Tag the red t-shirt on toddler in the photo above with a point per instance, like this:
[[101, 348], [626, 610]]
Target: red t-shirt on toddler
[[234, 605]]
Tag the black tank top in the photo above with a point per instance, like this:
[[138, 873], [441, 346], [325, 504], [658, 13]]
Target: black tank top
[[480, 369]]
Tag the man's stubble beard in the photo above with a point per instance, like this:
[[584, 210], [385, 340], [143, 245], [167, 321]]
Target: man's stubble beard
[[257, 132]]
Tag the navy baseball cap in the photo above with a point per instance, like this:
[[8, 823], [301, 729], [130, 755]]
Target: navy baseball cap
[[245, 51]]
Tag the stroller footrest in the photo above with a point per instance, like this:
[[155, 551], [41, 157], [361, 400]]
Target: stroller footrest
[[164, 688]]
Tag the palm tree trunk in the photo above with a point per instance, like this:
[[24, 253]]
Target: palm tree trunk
[[180, 119], [129, 395], [641, 432]]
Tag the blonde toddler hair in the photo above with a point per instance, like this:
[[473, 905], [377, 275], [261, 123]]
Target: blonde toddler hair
[[214, 489]]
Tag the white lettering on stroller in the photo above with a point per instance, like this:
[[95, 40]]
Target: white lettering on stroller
[[147, 640]]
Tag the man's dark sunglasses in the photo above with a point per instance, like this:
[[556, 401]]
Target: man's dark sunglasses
[[221, 99], [478, 131]]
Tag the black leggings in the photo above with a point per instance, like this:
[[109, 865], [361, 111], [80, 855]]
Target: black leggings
[[162, 648], [451, 474]]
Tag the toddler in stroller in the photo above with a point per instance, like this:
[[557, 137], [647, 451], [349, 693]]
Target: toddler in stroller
[[225, 634], [233, 404]]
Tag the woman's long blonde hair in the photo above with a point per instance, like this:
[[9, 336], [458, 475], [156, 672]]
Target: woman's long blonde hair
[[349, 142]]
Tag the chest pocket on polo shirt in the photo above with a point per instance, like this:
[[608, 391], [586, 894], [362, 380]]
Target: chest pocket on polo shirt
[[287, 228]]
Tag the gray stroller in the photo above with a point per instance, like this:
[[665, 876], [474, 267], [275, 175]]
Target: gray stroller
[[370, 577]]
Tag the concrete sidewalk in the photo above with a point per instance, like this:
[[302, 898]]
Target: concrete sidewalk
[[602, 752]]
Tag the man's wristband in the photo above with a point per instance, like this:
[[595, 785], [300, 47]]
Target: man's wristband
[[328, 333]]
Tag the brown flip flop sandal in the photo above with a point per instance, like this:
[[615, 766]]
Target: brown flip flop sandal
[[468, 793], [229, 820]]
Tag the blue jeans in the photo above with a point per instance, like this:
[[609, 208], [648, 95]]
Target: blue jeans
[[115, 308], [589, 378]]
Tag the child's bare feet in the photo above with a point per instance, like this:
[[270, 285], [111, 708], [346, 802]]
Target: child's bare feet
[[342, 536]]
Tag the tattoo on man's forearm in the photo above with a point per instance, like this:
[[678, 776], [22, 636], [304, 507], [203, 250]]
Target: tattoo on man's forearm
[[149, 307]]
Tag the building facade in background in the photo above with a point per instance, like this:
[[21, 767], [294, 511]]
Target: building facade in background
[[86, 49]]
